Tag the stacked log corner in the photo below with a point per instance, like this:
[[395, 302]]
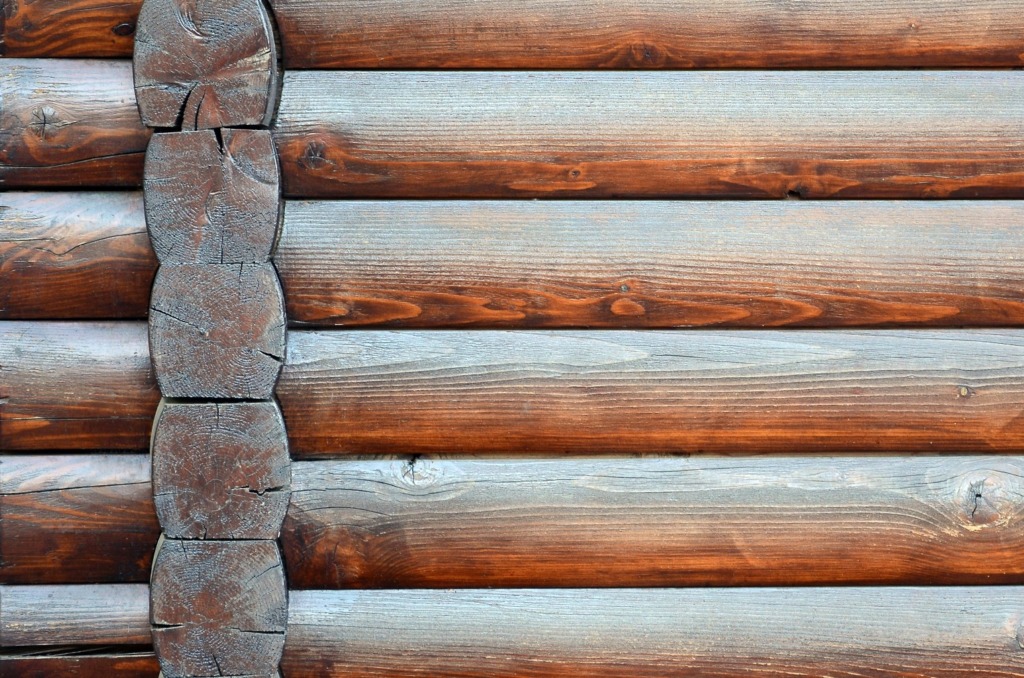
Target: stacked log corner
[[221, 469]]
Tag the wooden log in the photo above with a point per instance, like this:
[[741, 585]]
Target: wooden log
[[76, 519], [68, 28], [69, 123], [75, 386], [728, 134], [659, 34], [651, 264], [219, 608], [704, 521], [610, 391], [205, 64], [110, 665], [217, 330], [102, 614], [224, 208], [628, 633], [74, 255], [221, 470]]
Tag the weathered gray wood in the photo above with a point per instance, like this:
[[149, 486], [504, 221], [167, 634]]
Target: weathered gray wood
[[205, 63], [212, 197], [219, 608], [220, 470], [102, 614], [217, 330]]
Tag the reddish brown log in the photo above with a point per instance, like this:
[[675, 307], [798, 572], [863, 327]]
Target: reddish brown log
[[654, 34], [74, 255], [728, 134], [76, 519], [120, 665], [103, 614], [219, 608], [68, 28], [205, 64], [69, 123], [217, 330], [212, 197], [75, 386], [220, 471]]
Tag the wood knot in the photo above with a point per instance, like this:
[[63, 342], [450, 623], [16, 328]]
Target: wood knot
[[964, 392], [314, 157], [124, 30], [982, 500], [46, 122]]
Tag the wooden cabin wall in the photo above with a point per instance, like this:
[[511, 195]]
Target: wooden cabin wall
[[675, 340]]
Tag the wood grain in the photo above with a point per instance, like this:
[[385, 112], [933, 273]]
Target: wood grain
[[609, 391], [71, 123], [651, 264], [110, 665], [703, 521], [76, 519], [74, 255], [68, 28], [586, 134], [628, 633], [102, 614], [654, 34], [75, 386]]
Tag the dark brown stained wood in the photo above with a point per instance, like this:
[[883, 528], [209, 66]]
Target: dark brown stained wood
[[69, 123], [651, 264], [703, 521], [217, 330], [220, 470], [629, 633], [658, 34], [75, 386], [212, 197], [68, 28], [101, 614], [205, 63], [74, 255], [76, 519], [219, 608], [586, 134], [133, 665], [609, 391]]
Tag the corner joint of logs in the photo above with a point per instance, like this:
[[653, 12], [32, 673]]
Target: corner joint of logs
[[205, 79]]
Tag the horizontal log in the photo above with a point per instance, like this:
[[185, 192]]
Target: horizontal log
[[76, 519], [703, 521], [68, 28], [628, 633], [74, 255], [651, 264], [658, 34], [69, 123], [726, 134], [611, 391], [75, 386], [110, 665], [101, 614]]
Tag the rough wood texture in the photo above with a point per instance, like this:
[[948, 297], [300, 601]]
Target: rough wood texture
[[654, 34], [205, 63], [102, 614], [596, 392], [121, 665], [212, 197], [705, 521], [217, 330], [738, 134], [220, 470], [75, 386], [76, 519], [68, 28], [74, 255], [69, 123], [219, 608], [651, 264], [629, 633]]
